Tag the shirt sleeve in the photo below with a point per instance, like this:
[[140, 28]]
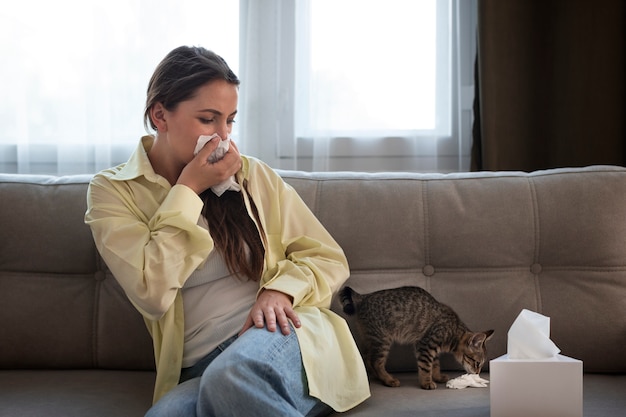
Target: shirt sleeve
[[304, 261], [150, 246]]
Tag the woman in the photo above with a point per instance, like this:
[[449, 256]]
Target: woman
[[235, 289]]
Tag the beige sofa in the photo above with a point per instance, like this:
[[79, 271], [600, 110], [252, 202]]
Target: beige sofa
[[487, 244]]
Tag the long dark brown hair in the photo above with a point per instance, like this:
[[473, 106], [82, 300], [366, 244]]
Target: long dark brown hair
[[234, 232], [177, 78]]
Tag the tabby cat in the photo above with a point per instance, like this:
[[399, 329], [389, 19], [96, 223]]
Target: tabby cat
[[410, 315]]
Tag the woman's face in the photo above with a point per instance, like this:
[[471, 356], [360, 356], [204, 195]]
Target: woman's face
[[211, 110]]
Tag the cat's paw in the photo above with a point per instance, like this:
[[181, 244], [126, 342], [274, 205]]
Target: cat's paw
[[429, 385], [442, 379], [391, 382]]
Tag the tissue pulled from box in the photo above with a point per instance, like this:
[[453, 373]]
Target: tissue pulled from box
[[529, 337], [467, 380], [216, 155]]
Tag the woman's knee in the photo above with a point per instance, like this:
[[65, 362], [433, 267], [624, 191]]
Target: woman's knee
[[229, 370], [181, 401]]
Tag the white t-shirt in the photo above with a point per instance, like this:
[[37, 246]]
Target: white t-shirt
[[216, 304]]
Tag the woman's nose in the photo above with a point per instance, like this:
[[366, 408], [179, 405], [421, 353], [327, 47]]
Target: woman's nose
[[223, 130]]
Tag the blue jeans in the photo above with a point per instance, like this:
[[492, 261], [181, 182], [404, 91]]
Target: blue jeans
[[258, 374]]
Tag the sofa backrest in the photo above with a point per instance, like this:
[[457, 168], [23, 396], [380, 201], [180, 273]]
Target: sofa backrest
[[487, 244], [490, 244], [59, 305]]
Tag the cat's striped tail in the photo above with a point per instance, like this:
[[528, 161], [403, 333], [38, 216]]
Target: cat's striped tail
[[350, 300]]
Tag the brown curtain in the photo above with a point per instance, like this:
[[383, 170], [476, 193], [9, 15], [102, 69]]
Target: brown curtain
[[550, 84]]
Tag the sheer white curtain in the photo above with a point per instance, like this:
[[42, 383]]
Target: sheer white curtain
[[358, 85], [326, 84], [74, 74]]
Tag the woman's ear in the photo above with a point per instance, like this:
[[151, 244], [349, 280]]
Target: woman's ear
[[157, 115]]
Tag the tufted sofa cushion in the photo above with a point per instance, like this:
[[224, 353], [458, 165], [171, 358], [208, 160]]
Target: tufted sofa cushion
[[61, 307], [488, 244]]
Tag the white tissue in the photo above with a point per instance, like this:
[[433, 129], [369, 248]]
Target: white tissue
[[216, 155], [467, 380], [529, 337]]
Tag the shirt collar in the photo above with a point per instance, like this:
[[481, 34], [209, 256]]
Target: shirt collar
[[138, 164]]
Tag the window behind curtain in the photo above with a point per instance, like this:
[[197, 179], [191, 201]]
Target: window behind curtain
[[74, 74], [377, 85], [374, 69]]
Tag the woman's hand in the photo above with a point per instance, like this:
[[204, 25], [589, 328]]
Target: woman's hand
[[272, 308], [199, 174]]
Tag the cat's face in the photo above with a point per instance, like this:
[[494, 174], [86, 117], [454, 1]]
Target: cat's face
[[473, 362], [472, 351]]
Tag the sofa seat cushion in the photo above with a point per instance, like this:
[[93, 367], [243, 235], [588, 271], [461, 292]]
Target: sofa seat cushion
[[75, 393], [96, 393], [602, 396]]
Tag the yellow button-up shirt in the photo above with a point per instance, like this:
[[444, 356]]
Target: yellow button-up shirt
[[148, 234]]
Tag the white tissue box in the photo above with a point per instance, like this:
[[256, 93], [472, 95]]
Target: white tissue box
[[536, 387]]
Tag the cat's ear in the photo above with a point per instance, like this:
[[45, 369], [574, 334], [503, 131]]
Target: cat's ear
[[478, 339]]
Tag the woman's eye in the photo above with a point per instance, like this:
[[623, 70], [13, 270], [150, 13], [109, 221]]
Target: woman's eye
[[206, 121], [230, 121]]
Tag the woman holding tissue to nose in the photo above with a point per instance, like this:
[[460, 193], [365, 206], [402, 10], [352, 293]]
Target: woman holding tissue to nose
[[231, 271]]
